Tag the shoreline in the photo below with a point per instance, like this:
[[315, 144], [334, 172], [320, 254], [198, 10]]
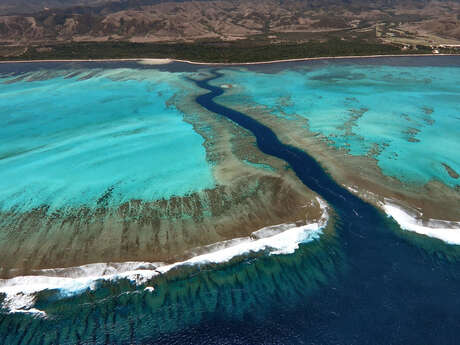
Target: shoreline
[[163, 61]]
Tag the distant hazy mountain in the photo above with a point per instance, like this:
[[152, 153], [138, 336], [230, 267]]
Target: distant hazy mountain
[[29, 6]]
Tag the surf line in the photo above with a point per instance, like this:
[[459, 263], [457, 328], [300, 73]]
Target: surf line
[[350, 209]]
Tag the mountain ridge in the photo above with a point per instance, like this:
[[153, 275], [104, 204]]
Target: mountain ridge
[[263, 22]]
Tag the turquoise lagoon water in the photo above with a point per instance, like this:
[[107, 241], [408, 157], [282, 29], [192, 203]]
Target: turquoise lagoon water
[[405, 117], [81, 137]]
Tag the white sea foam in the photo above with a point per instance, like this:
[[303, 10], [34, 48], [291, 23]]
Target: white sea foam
[[352, 189], [411, 219], [21, 291], [278, 239], [446, 231]]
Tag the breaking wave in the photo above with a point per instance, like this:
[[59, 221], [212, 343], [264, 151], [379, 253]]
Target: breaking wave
[[410, 220], [20, 292]]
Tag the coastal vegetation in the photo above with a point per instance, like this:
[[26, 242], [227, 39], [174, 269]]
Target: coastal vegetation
[[224, 31], [211, 51]]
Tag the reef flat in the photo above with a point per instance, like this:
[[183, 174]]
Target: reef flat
[[120, 164], [386, 130]]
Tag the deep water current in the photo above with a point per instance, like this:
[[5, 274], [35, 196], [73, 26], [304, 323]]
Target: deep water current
[[367, 282], [348, 206], [391, 281]]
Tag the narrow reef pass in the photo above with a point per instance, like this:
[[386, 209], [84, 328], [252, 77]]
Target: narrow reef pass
[[350, 208]]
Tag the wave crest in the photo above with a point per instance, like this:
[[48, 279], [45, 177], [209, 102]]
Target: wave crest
[[20, 292]]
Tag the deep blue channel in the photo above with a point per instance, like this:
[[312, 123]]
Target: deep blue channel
[[393, 293]]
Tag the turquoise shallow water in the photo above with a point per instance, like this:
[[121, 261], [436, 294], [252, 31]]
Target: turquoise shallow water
[[112, 137], [405, 117]]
